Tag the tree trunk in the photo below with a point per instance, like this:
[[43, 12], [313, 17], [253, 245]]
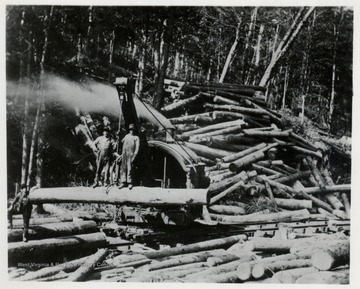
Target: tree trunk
[[224, 131], [47, 248], [207, 152], [137, 195], [244, 153], [285, 43], [232, 51], [286, 82], [267, 270], [196, 247], [258, 46], [52, 230], [271, 217], [248, 43], [141, 64]]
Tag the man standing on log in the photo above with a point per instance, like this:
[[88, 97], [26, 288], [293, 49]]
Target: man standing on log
[[131, 145], [21, 205], [106, 149]]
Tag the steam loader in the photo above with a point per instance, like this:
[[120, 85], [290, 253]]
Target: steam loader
[[170, 182]]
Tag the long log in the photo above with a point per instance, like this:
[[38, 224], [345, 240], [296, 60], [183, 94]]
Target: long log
[[227, 115], [214, 127], [244, 161], [328, 258], [220, 177], [220, 186], [271, 217], [47, 248], [303, 141], [196, 247], [224, 100], [189, 118], [270, 163], [228, 130], [126, 258], [293, 177], [113, 195], [306, 151], [218, 143], [263, 170], [235, 108], [81, 273], [229, 190], [290, 276], [266, 133], [328, 189], [241, 154], [267, 270], [272, 116], [54, 230], [315, 172], [227, 210], [18, 223], [185, 259], [293, 204], [207, 152], [218, 260], [182, 103], [324, 278], [59, 276]]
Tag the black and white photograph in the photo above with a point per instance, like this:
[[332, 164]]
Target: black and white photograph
[[178, 144]]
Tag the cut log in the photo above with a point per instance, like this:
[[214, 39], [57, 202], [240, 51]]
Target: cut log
[[306, 151], [113, 195], [232, 129], [244, 161], [126, 258], [81, 273], [290, 276], [227, 210], [328, 189], [229, 190], [227, 115], [224, 100], [315, 172], [235, 108], [18, 223], [272, 116], [59, 276], [270, 163], [244, 271], [266, 133], [324, 278], [293, 177], [241, 139], [184, 128], [271, 217], [221, 177], [214, 127], [207, 152], [241, 154], [47, 248], [329, 258], [218, 187], [54, 230], [185, 259], [182, 103], [218, 260], [50, 271], [189, 118], [267, 270], [293, 204], [196, 247], [218, 143], [269, 191], [332, 198], [264, 170]]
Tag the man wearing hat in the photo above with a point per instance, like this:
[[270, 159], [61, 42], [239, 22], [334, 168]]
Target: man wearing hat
[[21, 205], [131, 144], [106, 149]]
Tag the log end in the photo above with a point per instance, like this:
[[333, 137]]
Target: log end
[[243, 272], [258, 271], [322, 260]]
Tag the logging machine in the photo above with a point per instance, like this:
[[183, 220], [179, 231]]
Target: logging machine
[[170, 182]]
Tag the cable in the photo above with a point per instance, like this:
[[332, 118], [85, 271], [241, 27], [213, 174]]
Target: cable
[[166, 129]]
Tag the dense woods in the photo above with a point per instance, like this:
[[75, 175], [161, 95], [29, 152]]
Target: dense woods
[[302, 55]]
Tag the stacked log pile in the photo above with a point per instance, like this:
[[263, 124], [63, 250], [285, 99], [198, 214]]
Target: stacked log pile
[[320, 258], [250, 155]]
